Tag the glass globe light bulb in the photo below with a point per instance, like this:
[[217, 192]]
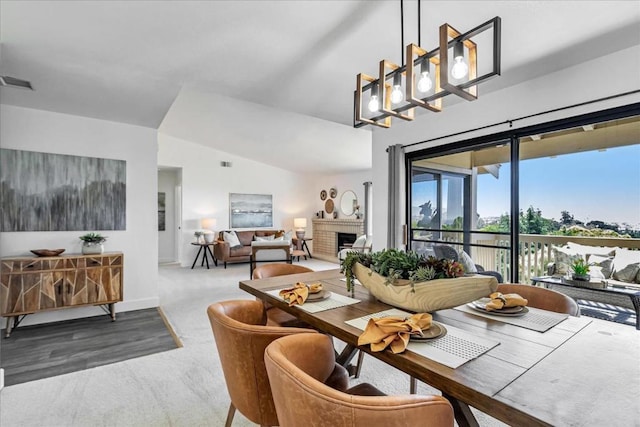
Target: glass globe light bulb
[[396, 95], [424, 84], [460, 68], [373, 103]]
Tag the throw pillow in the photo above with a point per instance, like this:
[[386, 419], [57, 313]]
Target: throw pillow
[[288, 235], [602, 263], [563, 259], [467, 262], [232, 238], [265, 238], [627, 274]]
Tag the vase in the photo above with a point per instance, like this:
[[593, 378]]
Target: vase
[[91, 248]]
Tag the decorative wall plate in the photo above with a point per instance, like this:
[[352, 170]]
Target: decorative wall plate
[[335, 214], [333, 193], [323, 195], [328, 206]]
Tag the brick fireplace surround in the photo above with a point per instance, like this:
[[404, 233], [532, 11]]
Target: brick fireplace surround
[[325, 235]]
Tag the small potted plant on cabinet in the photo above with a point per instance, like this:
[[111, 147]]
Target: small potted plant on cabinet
[[92, 243]]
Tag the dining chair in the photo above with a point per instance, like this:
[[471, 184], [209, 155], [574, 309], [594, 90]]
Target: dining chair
[[546, 299], [241, 337], [298, 365], [275, 316]]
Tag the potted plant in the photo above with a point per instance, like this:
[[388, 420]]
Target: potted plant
[[580, 270], [92, 243], [413, 281]]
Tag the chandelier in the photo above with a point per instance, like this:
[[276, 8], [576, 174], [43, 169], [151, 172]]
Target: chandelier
[[428, 75]]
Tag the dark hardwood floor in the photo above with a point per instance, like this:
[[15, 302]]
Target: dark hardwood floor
[[41, 351]]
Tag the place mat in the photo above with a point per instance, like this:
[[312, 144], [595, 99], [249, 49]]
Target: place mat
[[334, 301], [454, 349], [536, 319]]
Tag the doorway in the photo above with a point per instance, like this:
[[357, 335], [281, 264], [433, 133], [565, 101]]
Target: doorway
[[169, 214]]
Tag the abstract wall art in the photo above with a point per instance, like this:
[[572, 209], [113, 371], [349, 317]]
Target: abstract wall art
[[58, 192], [250, 210], [162, 203]]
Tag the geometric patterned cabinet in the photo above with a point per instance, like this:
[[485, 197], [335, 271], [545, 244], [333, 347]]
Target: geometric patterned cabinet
[[29, 285]]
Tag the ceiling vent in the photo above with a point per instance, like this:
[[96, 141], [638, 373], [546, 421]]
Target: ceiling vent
[[225, 164], [13, 82]]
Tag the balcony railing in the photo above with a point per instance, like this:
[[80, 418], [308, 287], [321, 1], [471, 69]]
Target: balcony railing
[[535, 251]]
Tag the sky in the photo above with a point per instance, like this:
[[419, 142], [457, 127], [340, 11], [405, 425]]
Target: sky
[[593, 185]]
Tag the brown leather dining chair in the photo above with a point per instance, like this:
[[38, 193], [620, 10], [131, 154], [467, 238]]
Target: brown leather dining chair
[[275, 316], [241, 336], [546, 299], [298, 365]]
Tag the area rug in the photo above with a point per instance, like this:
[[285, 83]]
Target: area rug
[[42, 351], [609, 312]]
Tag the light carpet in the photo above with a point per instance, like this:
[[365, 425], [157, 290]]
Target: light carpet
[[181, 387]]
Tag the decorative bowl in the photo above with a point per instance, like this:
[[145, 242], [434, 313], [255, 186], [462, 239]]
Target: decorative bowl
[[47, 252]]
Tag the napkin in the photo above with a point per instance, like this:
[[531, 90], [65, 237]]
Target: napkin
[[296, 295], [393, 331], [500, 301]]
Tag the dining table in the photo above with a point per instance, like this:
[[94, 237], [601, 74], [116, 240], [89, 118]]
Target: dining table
[[580, 372]]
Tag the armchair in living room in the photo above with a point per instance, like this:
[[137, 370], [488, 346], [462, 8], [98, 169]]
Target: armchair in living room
[[449, 252], [269, 251], [362, 244]]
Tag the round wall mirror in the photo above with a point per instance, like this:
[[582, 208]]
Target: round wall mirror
[[348, 203]]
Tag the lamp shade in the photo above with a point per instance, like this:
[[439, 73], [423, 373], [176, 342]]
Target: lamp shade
[[300, 222], [208, 223]]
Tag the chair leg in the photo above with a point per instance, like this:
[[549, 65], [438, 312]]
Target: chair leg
[[230, 414], [359, 364], [413, 385]]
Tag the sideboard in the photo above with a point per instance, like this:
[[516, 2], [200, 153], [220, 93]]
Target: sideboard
[[29, 285]]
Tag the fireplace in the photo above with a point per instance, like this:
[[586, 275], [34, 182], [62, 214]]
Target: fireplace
[[344, 239], [325, 235]]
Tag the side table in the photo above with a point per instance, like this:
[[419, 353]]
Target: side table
[[204, 248]]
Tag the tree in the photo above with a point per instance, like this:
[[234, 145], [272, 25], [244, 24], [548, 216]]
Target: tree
[[566, 218]]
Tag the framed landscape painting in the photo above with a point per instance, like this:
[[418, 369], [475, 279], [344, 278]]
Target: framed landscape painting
[[250, 210], [58, 192]]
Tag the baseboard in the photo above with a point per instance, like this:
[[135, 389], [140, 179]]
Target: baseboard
[[88, 311]]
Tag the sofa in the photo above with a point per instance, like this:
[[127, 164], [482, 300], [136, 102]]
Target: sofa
[[614, 266], [226, 254]]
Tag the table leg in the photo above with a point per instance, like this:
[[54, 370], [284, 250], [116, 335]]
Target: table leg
[[462, 413], [196, 260], [345, 357], [215, 261], [204, 255], [635, 300]]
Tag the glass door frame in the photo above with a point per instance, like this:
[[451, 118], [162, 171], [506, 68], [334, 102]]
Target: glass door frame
[[513, 137]]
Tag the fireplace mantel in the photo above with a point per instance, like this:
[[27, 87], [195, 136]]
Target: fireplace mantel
[[325, 235]]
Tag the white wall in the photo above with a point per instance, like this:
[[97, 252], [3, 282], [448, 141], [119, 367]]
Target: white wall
[[206, 187], [44, 131], [591, 80], [168, 181]]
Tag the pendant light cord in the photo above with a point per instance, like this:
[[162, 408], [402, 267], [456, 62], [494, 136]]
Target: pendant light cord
[[402, 31], [419, 38]]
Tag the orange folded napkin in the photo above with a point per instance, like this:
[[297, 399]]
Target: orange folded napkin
[[299, 293], [500, 301], [393, 331]]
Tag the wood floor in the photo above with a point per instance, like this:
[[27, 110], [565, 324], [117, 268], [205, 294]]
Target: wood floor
[[41, 351]]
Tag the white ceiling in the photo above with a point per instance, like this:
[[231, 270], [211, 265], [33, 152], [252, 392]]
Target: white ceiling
[[127, 61]]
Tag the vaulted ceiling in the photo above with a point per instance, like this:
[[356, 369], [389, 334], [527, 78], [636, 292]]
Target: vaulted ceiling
[[127, 61]]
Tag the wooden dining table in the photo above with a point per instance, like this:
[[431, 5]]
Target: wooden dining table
[[581, 372]]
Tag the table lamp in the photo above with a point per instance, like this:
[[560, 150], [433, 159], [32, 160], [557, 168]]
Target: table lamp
[[299, 224], [207, 225]]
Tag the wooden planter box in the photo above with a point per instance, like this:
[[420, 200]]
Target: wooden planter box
[[428, 296]]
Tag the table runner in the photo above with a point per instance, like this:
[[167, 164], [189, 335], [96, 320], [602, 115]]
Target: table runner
[[454, 349], [536, 319], [334, 301]]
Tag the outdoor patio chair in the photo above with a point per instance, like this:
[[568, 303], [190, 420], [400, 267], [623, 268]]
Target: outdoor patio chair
[[449, 252]]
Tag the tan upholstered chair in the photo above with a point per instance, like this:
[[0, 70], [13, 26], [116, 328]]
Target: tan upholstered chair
[[546, 299], [297, 366], [241, 337], [275, 316]]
